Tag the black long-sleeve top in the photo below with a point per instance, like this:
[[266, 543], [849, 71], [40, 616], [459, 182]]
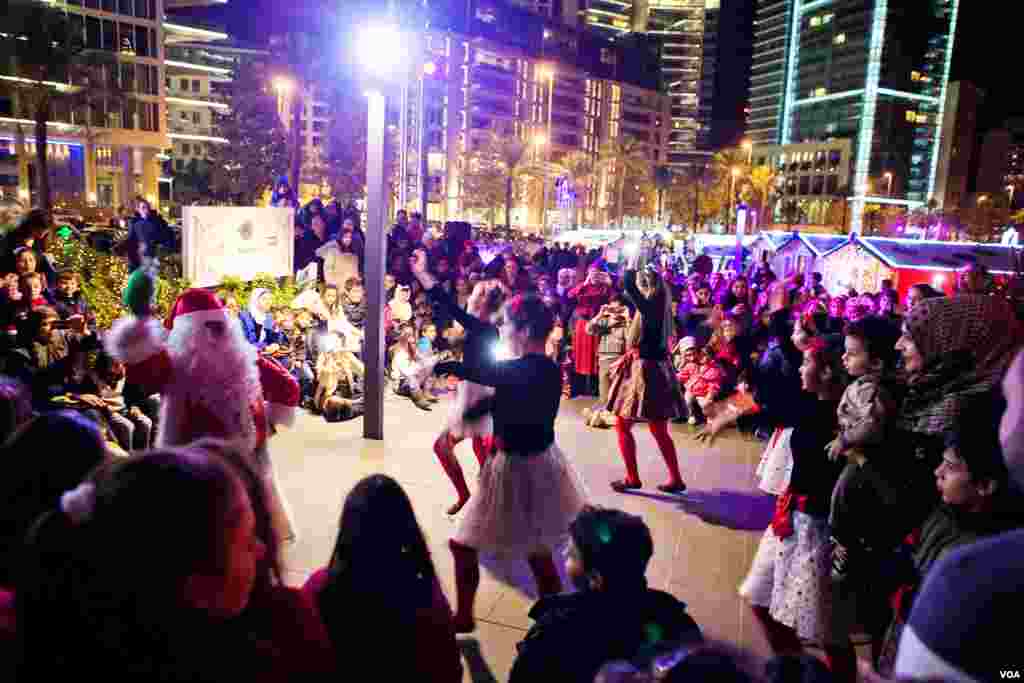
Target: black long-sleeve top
[[814, 475], [481, 337], [527, 394], [652, 337]]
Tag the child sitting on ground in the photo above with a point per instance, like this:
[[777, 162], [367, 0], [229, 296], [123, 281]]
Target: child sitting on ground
[[864, 413], [705, 385]]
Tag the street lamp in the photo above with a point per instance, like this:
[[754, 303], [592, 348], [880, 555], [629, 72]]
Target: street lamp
[[749, 146], [732, 190], [546, 73], [888, 178], [380, 51], [1011, 189]]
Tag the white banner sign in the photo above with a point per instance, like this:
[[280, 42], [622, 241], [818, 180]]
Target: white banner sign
[[236, 241]]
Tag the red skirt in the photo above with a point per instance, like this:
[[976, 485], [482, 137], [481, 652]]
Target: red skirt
[[584, 349]]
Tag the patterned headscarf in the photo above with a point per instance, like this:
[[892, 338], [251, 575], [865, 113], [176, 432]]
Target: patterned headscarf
[[966, 343]]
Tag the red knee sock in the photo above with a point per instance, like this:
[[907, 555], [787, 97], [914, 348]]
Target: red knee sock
[[627, 448], [467, 580], [659, 430], [546, 574], [782, 639], [451, 466], [481, 449]]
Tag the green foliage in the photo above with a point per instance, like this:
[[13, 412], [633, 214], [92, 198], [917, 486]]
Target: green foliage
[[282, 292]]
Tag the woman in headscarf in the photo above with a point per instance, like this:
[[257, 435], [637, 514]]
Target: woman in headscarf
[[258, 323], [644, 386], [954, 349]]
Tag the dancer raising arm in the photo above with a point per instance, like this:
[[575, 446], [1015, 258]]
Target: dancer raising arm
[[481, 341], [529, 492], [644, 385]]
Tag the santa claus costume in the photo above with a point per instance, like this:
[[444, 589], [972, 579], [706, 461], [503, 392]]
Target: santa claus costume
[[211, 381]]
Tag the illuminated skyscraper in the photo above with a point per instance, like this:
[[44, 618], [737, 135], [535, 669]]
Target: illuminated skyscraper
[[678, 26], [872, 71]]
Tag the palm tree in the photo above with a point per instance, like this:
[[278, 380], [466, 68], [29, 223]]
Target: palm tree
[[579, 166], [57, 71], [762, 181], [623, 157]]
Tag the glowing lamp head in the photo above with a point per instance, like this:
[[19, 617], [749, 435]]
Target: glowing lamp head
[[380, 50], [735, 173], [430, 69], [540, 140], [501, 351], [938, 281]]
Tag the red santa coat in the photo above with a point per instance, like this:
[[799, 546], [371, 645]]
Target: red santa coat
[[707, 382], [184, 416]]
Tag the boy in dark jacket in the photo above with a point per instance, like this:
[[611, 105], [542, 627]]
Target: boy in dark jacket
[[613, 616]]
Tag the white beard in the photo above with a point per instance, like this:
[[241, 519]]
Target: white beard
[[219, 374]]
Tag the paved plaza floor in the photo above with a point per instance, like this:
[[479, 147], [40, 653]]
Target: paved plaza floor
[[704, 540]]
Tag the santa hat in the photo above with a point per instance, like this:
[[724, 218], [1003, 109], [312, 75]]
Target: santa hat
[[199, 306]]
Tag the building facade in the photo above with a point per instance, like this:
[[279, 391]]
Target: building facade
[[687, 63], [104, 153], [815, 175], [959, 144], [1001, 164], [872, 71], [475, 86]]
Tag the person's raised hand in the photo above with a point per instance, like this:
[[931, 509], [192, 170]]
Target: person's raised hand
[[418, 262]]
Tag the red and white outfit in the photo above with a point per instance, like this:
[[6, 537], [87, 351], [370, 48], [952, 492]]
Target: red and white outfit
[[243, 407]]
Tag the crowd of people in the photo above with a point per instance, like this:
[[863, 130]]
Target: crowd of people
[[892, 447]]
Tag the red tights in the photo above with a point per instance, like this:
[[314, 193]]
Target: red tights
[[841, 659], [467, 580], [444, 448], [627, 447]]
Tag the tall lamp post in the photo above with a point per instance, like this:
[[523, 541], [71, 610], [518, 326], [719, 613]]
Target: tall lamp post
[[732, 191], [1011, 188], [888, 184], [547, 73], [379, 49], [749, 146]]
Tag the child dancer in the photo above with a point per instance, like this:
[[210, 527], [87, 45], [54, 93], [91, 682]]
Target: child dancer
[[529, 492], [479, 350], [645, 387]]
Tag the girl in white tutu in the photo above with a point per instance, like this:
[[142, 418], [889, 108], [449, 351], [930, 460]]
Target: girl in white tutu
[[529, 492], [479, 350]]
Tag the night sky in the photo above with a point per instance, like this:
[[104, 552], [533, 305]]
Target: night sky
[[985, 53]]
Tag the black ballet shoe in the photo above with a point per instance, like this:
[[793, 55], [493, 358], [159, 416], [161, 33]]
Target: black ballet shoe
[[623, 485], [676, 487], [454, 509]]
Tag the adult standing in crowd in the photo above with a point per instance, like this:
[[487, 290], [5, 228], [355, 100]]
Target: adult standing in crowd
[[148, 236], [31, 233]]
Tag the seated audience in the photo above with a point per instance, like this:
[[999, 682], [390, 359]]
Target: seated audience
[[381, 570]]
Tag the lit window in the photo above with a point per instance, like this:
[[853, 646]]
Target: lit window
[[915, 75], [840, 39], [911, 116], [815, 22]]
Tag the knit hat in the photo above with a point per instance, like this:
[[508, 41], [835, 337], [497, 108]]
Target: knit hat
[[198, 305]]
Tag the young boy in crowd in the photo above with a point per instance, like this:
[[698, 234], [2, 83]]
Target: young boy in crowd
[[864, 414], [428, 339], [68, 299]]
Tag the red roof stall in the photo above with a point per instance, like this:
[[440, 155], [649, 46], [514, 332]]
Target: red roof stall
[[804, 253], [864, 262]]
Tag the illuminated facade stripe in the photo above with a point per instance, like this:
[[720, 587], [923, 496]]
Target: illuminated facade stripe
[[942, 97], [789, 97], [862, 165]]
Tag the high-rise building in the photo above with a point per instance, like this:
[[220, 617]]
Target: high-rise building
[[709, 74], [104, 154], [959, 143], [1002, 162], [679, 30], [566, 12], [873, 71], [767, 74]]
